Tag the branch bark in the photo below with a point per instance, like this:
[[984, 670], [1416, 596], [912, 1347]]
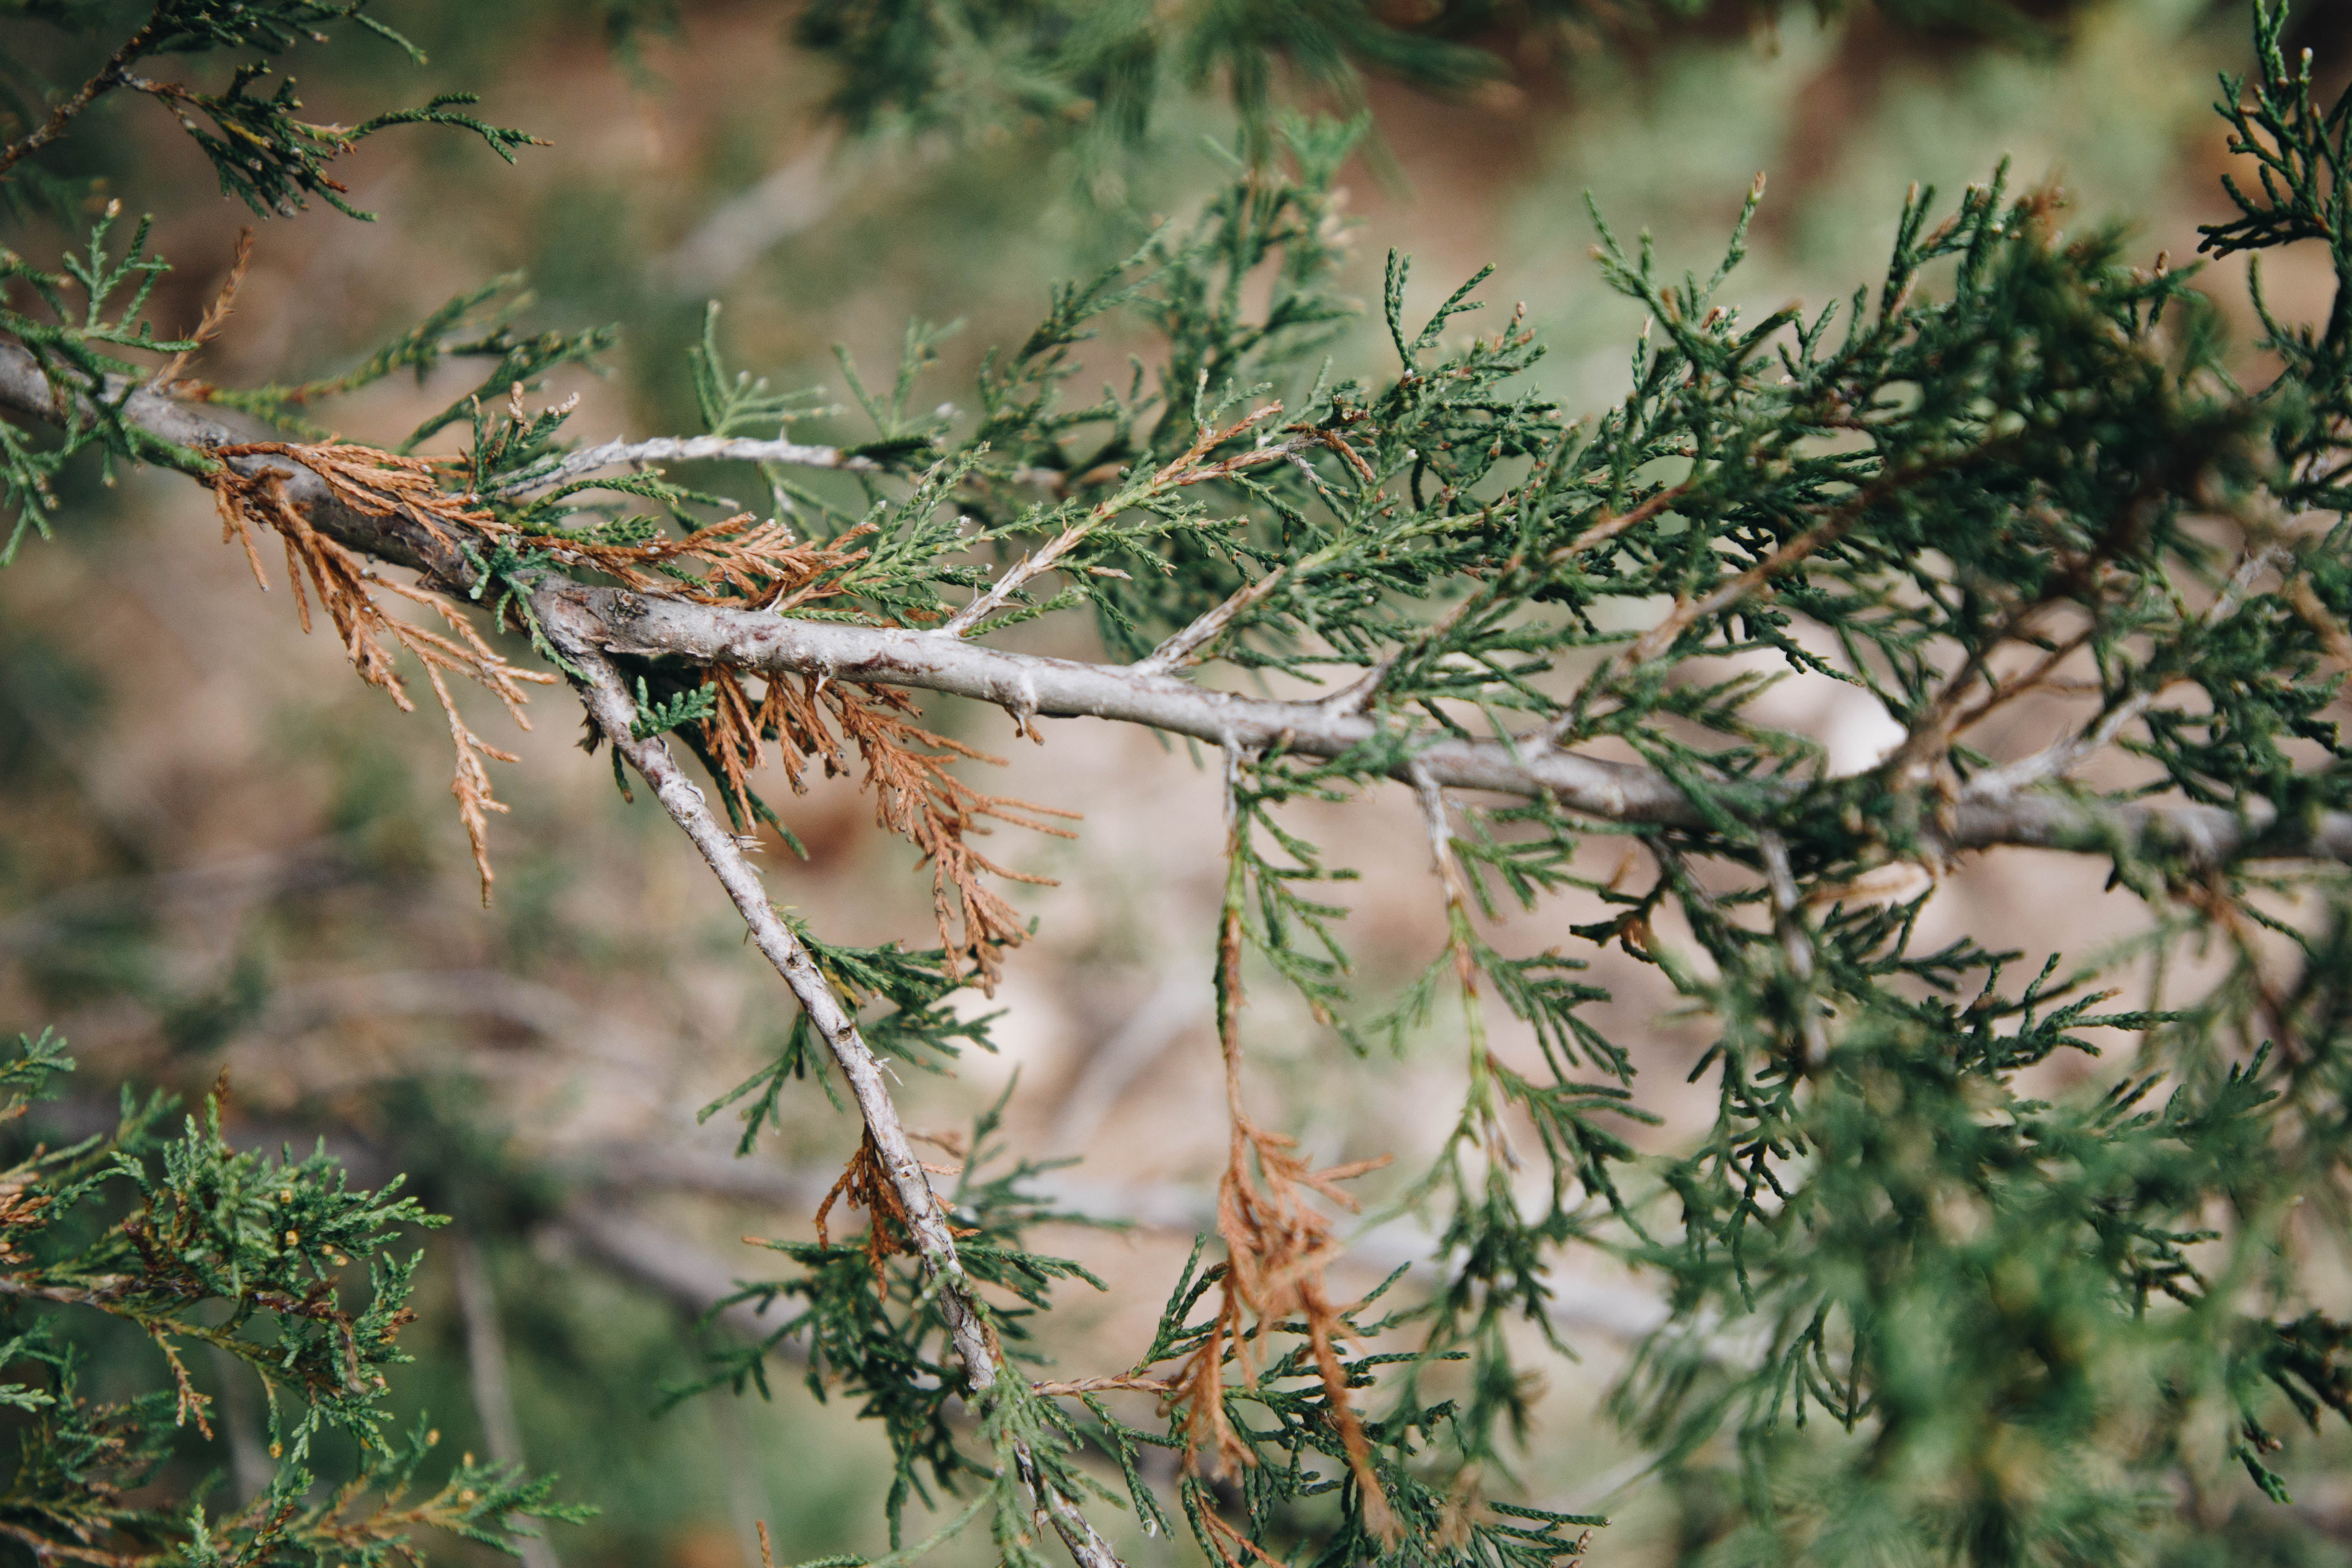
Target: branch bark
[[625, 453], [614, 711], [646, 627]]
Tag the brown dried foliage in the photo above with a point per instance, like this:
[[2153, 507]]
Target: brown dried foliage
[[746, 563], [866, 1184], [215, 316], [916, 795], [350, 591], [742, 562], [1278, 1247]]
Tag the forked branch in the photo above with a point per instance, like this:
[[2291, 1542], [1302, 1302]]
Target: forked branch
[[609, 704], [656, 625]]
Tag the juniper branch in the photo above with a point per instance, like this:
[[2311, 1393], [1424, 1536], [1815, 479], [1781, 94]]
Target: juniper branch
[[608, 702], [625, 453], [1986, 815]]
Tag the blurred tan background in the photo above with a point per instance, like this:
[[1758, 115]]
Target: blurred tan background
[[226, 855]]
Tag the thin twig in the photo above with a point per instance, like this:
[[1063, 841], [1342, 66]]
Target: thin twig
[[2056, 761], [1179, 649], [625, 453], [110, 75], [925, 1217], [1187, 467], [1101, 1386], [608, 702]]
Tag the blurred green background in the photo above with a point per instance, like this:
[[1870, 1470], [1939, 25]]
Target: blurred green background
[[224, 854]]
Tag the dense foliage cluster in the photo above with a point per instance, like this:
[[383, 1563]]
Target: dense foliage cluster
[[249, 1257], [1923, 1306]]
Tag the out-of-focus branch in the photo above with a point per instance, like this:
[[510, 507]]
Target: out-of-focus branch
[[790, 199], [250, 1468], [322, 863], [114, 73], [486, 1365], [1175, 1005]]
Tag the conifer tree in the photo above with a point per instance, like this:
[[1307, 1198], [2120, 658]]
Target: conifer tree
[[1917, 1313]]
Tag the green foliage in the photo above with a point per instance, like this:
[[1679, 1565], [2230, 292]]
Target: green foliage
[[871, 1325], [1103, 70], [2026, 1310], [264, 155], [477, 324], [250, 1257], [70, 344], [679, 709], [921, 1025]]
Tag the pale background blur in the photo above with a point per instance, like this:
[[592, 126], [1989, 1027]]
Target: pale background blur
[[223, 853]]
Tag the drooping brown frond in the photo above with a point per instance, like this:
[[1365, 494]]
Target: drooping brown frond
[[743, 561], [732, 736], [1277, 1247], [916, 794], [349, 591], [918, 797]]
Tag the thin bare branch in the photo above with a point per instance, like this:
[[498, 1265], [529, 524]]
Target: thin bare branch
[[923, 1216], [485, 1367], [1190, 467], [608, 701], [1179, 649], [624, 453], [114, 73]]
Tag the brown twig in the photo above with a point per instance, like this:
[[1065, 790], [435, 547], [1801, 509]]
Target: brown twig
[[1102, 1385], [1278, 1247], [114, 73], [215, 316]]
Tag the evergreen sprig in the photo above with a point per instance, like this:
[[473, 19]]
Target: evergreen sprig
[[248, 1255], [1104, 71], [870, 1325]]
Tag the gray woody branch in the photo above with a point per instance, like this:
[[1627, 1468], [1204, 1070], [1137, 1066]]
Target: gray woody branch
[[572, 623], [608, 702], [1030, 685], [625, 453], [643, 625]]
